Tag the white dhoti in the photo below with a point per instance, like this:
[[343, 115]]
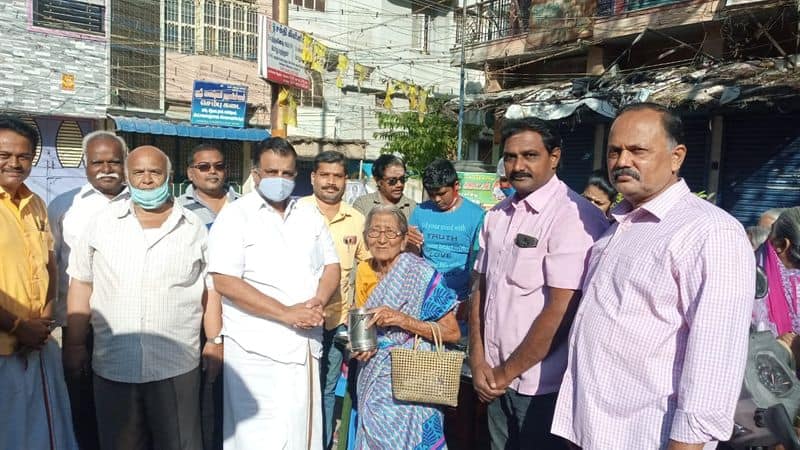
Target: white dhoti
[[36, 414], [269, 404]]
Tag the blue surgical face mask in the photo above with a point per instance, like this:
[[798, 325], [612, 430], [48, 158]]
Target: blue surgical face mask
[[150, 198], [276, 189], [509, 191]]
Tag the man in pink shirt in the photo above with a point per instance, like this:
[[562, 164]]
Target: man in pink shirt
[[658, 346], [533, 251]]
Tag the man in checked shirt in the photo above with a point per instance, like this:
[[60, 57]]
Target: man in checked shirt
[[658, 346]]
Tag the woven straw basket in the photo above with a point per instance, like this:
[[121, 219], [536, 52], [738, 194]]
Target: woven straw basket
[[423, 376]]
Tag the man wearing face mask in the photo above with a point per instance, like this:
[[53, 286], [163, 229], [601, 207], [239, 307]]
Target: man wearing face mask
[[70, 213], [138, 275], [273, 260]]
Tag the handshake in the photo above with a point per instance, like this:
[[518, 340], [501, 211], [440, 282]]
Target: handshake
[[305, 315]]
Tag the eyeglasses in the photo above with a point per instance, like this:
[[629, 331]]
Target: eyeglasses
[[394, 180], [205, 167], [390, 234]]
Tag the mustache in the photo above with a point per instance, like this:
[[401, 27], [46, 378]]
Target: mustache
[[107, 175], [519, 175], [625, 171], [331, 187]]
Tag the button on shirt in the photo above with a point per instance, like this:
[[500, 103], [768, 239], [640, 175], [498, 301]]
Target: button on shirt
[[347, 231], [147, 290], [70, 213], [281, 256], [556, 229], [25, 243], [659, 343]]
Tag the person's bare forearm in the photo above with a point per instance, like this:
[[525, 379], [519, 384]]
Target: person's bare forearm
[[476, 317], [79, 312], [328, 282], [248, 298], [675, 445], [547, 331], [52, 285], [447, 324], [212, 314]]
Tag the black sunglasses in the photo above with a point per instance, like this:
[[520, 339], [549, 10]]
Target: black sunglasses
[[394, 180], [205, 167]]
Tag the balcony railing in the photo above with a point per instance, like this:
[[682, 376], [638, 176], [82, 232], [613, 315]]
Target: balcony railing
[[491, 20], [607, 8]]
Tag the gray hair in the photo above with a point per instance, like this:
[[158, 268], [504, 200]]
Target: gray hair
[[787, 226], [757, 235], [773, 213], [103, 134], [391, 210], [166, 157]]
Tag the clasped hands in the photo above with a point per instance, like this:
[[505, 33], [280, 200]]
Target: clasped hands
[[489, 382], [305, 315]]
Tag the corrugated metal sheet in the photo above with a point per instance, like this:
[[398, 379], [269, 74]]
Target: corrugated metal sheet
[[577, 156], [698, 144], [760, 164], [68, 144]]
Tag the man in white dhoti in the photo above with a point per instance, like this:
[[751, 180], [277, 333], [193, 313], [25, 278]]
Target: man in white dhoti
[[36, 412], [275, 264]]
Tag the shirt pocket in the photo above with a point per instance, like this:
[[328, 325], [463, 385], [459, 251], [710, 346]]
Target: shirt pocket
[[526, 271]]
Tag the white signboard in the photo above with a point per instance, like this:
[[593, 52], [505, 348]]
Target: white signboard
[[279, 50]]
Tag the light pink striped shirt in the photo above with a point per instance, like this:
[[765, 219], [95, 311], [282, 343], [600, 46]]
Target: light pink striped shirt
[[519, 276], [657, 349]]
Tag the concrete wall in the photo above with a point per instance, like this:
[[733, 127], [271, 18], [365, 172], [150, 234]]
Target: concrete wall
[[32, 62]]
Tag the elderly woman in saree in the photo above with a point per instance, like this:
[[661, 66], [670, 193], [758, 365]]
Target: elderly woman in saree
[[409, 293]]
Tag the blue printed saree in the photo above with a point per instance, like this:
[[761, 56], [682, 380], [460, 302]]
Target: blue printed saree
[[413, 287]]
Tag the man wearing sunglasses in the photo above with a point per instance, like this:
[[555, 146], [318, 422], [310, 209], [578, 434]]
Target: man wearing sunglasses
[[389, 172], [209, 190], [207, 195]]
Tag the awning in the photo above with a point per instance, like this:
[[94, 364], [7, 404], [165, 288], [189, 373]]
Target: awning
[[155, 126]]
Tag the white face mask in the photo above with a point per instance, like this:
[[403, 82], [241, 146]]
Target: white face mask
[[276, 189]]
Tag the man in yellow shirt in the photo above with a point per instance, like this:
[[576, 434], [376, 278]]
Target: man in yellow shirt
[[30, 361], [347, 229]]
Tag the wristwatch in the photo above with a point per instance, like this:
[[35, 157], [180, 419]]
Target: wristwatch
[[216, 340]]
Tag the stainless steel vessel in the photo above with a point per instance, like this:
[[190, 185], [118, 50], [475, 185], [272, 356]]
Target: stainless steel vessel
[[362, 339]]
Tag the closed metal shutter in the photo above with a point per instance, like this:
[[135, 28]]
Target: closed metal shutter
[[760, 164], [698, 143], [68, 144], [577, 156]]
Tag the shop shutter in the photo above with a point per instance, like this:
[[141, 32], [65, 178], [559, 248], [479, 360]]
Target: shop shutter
[[698, 143], [577, 156], [760, 164], [68, 144]]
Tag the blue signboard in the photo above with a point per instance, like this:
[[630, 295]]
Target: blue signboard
[[218, 104]]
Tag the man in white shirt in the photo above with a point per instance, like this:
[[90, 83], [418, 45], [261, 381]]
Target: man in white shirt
[[70, 213], [138, 272], [274, 262]]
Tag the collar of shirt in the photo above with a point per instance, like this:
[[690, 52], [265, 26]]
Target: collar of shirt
[[190, 195], [88, 190], [537, 199], [344, 212], [262, 204], [125, 209], [23, 193], [657, 207], [403, 203]]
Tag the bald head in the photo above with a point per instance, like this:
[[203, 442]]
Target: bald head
[[147, 167]]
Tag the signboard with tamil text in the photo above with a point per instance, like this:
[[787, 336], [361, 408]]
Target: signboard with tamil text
[[218, 104], [478, 187], [279, 54]]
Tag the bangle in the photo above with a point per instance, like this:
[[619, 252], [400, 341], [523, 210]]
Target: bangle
[[14, 327]]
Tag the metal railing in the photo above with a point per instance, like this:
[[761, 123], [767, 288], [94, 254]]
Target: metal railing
[[607, 8], [491, 20]]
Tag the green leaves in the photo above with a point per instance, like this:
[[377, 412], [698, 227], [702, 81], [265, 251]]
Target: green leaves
[[420, 142]]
